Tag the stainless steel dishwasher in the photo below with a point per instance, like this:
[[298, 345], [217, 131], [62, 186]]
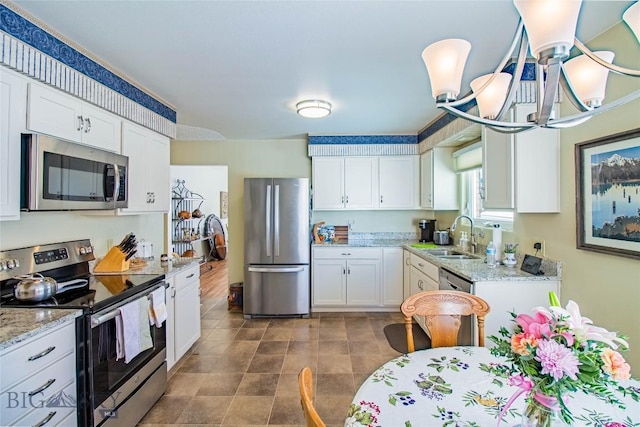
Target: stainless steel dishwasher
[[452, 282]]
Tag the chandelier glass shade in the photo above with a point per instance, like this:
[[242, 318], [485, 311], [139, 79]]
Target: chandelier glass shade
[[313, 108], [547, 29]]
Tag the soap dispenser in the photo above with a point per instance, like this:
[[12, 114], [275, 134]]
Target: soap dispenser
[[464, 241]]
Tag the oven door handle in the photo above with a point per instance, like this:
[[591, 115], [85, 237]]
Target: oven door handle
[[97, 321]]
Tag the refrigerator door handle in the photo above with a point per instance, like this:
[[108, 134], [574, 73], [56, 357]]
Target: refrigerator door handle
[[268, 221], [276, 221], [276, 270]]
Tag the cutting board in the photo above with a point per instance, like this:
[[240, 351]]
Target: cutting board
[[424, 245]]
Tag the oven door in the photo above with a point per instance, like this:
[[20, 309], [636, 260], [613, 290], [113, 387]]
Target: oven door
[[113, 385], [63, 175]]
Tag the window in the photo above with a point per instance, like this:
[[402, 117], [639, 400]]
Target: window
[[472, 201]]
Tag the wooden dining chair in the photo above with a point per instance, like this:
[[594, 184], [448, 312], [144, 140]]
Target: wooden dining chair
[[442, 311], [305, 383]]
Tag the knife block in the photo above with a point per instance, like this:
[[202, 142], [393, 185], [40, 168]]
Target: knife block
[[113, 261]]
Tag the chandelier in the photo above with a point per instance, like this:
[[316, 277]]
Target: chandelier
[[547, 29]]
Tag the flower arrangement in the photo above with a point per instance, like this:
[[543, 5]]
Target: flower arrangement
[[556, 351], [510, 248]]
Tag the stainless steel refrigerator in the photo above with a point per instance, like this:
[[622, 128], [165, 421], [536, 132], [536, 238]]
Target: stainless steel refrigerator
[[276, 247]]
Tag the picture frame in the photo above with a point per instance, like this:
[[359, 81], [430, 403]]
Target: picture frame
[[224, 204], [608, 194]]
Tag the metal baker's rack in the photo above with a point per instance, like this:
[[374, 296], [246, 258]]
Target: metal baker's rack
[[186, 230]]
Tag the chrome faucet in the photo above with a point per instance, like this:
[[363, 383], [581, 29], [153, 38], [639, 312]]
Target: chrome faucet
[[472, 242]]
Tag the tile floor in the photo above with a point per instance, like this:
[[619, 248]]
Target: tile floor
[[244, 372]]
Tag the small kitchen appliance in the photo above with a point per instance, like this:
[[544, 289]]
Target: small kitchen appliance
[[109, 391], [441, 237], [427, 227]]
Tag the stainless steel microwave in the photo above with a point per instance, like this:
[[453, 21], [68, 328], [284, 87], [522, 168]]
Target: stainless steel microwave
[[62, 175]]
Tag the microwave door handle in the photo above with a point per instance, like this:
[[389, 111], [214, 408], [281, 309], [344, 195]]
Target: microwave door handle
[[116, 182]]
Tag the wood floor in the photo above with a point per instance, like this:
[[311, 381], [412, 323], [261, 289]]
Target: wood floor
[[214, 280]]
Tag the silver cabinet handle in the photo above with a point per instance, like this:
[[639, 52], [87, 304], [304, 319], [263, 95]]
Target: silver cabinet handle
[[342, 199], [39, 355], [345, 253], [347, 199], [190, 276], [380, 198], [348, 270], [420, 285], [87, 125], [42, 388], [80, 123], [421, 264], [407, 261], [46, 419]]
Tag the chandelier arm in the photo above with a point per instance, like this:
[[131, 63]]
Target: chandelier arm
[[545, 106], [487, 122], [568, 89], [618, 102], [612, 67], [511, 131], [503, 63], [515, 79]]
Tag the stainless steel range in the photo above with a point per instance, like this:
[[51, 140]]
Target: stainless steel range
[[110, 391]]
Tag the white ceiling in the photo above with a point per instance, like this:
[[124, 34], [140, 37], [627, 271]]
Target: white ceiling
[[235, 69]]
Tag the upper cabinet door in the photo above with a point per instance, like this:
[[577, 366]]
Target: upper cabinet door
[[54, 113], [398, 181], [426, 179], [13, 100], [497, 169], [361, 182], [328, 183], [101, 129]]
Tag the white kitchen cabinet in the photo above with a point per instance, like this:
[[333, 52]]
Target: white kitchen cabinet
[[438, 181], [497, 169], [398, 182], [537, 167], [46, 366], [345, 183], [170, 301], [505, 297], [521, 171], [13, 105], [183, 312], [424, 276], [148, 175], [52, 112], [392, 277], [346, 277]]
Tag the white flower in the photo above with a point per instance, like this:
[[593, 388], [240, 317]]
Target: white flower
[[582, 327]]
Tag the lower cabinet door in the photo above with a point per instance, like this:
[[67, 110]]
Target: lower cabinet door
[[187, 318], [329, 282], [363, 279]]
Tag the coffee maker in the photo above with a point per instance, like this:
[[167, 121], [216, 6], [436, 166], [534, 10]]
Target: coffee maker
[[427, 227]]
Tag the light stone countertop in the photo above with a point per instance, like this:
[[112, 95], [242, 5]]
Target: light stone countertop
[[19, 324], [154, 266], [475, 269]]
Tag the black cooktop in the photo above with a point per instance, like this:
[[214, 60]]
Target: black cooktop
[[101, 291]]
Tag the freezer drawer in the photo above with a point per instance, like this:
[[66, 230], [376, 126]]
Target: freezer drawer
[[276, 290]]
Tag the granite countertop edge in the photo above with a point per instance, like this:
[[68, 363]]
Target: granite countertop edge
[[20, 324]]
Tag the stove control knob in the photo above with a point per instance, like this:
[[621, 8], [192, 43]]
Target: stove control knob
[[3, 265], [89, 249], [83, 250], [16, 262], [10, 264]]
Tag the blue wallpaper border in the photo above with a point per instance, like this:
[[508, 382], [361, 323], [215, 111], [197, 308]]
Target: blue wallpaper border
[[17, 26], [362, 139]]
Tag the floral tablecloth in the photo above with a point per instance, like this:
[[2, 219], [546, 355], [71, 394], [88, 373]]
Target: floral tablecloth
[[454, 387]]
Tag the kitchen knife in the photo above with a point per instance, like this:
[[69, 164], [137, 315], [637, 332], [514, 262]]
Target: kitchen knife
[[130, 255]]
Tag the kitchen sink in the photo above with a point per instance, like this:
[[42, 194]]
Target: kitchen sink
[[448, 254]]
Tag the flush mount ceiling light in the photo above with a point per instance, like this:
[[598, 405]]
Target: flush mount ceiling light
[[547, 28], [313, 108]]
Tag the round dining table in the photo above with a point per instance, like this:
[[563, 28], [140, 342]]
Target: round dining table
[[456, 387]]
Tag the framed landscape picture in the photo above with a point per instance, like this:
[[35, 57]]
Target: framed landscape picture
[[608, 194]]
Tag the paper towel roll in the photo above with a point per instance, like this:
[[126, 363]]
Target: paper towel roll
[[497, 241]]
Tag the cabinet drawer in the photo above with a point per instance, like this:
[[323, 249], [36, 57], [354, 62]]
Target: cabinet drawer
[[25, 396], [62, 415], [187, 276], [52, 345], [347, 252], [425, 266]]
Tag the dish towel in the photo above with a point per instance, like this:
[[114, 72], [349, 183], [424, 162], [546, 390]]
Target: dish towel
[[157, 308], [132, 330]]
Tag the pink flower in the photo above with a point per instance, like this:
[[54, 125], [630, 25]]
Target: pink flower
[[519, 343], [556, 359], [614, 424], [615, 365], [538, 325]]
